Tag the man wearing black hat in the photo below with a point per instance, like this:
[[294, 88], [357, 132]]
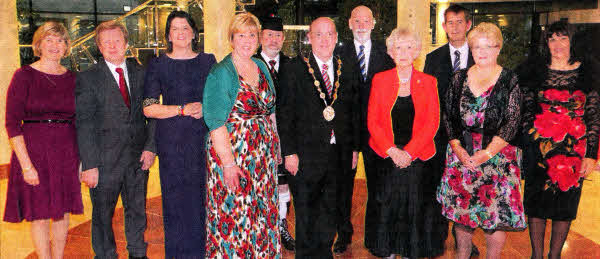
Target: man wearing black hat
[[271, 41]]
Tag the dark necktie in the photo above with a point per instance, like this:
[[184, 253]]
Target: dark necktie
[[456, 65], [123, 87], [362, 63], [325, 75], [272, 66]]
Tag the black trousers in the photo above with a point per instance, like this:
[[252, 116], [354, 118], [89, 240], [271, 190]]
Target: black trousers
[[132, 185], [345, 189], [314, 188], [371, 159]]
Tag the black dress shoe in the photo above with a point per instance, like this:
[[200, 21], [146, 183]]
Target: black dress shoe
[[287, 240], [136, 257], [340, 246]]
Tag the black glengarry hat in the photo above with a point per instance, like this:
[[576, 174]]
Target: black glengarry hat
[[272, 22]]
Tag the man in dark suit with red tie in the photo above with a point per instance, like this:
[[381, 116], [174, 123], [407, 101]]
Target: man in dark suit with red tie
[[318, 119], [116, 144], [271, 41], [442, 63], [369, 58]]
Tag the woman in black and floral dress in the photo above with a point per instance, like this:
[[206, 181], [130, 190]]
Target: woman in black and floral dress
[[481, 184], [562, 121]]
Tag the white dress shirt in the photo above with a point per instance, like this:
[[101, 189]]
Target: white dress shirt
[[113, 70], [464, 54], [329, 68], [367, 52], [331, 79], [267, 59]]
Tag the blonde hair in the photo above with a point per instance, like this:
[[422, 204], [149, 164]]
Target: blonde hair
[[50, 28], [485, 30], [241, 22], [402, 33], [110, 25]]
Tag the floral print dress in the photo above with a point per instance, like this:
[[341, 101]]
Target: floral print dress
[[244, 223], [488, 197], [561, 123]]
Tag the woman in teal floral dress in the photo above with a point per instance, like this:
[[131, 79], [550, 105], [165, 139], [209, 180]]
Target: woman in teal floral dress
[[480, 187], [239, 104], [561, 122]]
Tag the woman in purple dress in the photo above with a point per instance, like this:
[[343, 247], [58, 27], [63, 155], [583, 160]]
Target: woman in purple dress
[[43, 186], [179, 77]]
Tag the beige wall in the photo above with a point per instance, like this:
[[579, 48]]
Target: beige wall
[[580, 16], [217, 15], [414, 14], [8, 63]]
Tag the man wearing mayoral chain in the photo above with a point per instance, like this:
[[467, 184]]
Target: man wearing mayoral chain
[[318, 116]]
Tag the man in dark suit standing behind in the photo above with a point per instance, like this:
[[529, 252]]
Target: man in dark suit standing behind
[[442, 63], [369, 58], [318, 123], [271, 42], [116, 145]]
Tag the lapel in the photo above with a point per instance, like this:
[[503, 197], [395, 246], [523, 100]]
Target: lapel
[[374, 56], [275, 75], [470, 60], [133, 84], [446, 57], [111, 86]]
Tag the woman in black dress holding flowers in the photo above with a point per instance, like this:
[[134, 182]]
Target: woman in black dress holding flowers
[[562, 122]]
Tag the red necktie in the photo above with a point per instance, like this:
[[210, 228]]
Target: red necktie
[[326, 79], [123, 87], [272, 64]]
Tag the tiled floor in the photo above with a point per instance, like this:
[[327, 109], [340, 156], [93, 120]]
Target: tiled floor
[[517, 245]]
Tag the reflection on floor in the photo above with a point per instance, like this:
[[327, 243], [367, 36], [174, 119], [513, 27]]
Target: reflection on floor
[[517, 245]]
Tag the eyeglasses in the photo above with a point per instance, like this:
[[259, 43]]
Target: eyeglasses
[[484, 48]]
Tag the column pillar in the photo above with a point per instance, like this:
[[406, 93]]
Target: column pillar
[[217, 15], [440, 34], [415, 15], [10, 61]]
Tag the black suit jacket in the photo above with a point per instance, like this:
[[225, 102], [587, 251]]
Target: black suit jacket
[[110, 135], [438, 63], [302, 128], [282, 59], [379, 61]]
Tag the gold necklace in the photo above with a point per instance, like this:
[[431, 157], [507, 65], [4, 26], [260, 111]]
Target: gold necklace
[[328, 112]]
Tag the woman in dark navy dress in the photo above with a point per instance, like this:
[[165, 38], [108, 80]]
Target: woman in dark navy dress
[[179, 77], [43, 186]]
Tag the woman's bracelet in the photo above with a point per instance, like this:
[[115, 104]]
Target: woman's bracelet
[[232, 164], [26, 169], [488, 153], [180, 110]]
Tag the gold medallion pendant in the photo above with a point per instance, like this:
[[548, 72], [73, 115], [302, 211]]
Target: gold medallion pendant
[[328, 113]]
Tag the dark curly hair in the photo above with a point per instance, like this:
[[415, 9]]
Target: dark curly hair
[[190, 21]]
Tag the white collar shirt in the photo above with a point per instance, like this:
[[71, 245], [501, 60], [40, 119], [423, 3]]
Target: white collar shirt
[[367, 51], [113, 71], [464, 54], [268, 59], [329, 67]]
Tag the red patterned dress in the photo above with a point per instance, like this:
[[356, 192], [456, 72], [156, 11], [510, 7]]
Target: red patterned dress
[[244, 224], [562, 123]]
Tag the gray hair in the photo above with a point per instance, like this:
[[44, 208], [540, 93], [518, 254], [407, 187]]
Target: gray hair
[[403, 33]]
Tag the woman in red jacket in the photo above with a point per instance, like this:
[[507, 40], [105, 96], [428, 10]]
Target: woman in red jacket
[[403, 118]]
